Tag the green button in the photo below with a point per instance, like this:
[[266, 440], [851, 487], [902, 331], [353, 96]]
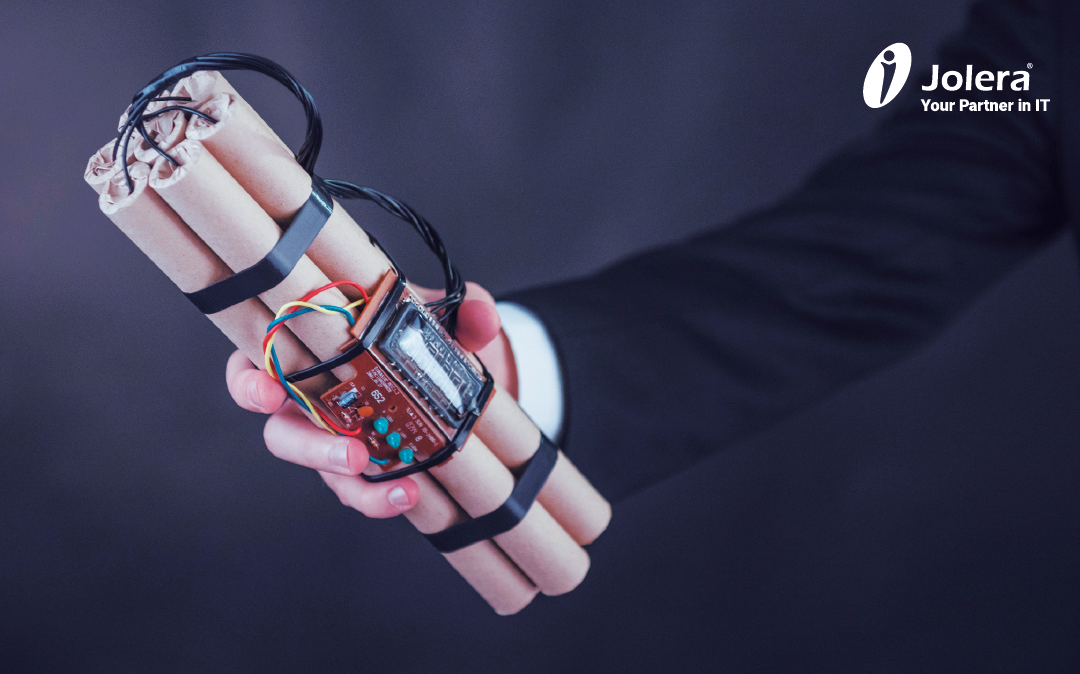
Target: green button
[[406, 455], [394, 440], [382, 425]]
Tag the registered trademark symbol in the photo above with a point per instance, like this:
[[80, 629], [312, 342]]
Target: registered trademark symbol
[[1029, 66]]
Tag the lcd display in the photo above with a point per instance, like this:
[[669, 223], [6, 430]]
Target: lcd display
[[418, 348]]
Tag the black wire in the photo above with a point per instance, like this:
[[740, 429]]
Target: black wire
[[169, 108], [445, 309]]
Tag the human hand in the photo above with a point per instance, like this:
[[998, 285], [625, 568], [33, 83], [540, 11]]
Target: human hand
[[290, 435]]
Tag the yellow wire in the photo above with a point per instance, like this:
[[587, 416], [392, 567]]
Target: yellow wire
[[309, 305], [270, 345]]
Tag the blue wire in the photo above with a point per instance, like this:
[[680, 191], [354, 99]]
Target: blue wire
[[306, 310], [278, 321], [281, 377], [340, 310], [277, 365]]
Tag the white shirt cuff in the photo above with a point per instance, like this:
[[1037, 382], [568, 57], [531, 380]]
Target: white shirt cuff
[[540, 392]]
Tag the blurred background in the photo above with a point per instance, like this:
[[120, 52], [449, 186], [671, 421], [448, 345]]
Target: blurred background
[[144, 527]]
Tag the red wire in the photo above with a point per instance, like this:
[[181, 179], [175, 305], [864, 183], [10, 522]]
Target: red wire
[[313, 293], [266, 339], [307, 298], [337, 428], [335, 284]]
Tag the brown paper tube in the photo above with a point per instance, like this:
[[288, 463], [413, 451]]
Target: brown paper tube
[[270, 174], [483, 564], [567, 495], [224, 216], [170, 244], [204, 85], [538, 545], [199, 87], [274, 179]]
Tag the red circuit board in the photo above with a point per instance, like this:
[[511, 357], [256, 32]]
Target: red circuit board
[[372, 395]]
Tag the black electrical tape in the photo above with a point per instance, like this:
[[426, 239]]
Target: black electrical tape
[[272, 269], [509, 514]]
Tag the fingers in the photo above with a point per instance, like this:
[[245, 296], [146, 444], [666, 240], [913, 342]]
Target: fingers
[[291, 436], [478, 321], [498, 357], [252, 389], [384, 499]]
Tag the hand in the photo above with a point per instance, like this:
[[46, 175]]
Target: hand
[[291, 436]]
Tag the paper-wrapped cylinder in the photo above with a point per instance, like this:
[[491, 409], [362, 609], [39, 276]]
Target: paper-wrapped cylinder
[[218, 209], [170, 244], [483, 564], [567, 495], [544, 551], [101, 168], [269, 173]]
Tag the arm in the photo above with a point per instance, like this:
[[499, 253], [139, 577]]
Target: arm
[[690, 348]]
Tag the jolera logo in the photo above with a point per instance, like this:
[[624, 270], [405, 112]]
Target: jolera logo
[[887, 75]]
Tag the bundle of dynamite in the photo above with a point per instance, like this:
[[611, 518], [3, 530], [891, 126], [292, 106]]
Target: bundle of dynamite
[[203, 186]]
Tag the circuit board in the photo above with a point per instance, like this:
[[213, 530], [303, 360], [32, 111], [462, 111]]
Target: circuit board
[[394, 428]]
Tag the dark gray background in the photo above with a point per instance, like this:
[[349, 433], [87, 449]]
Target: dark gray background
[[143, 527]]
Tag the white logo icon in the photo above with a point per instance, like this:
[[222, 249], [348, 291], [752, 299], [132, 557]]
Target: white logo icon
[[887, 75]]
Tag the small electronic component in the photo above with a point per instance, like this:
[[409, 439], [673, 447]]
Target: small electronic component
[[348, 398]]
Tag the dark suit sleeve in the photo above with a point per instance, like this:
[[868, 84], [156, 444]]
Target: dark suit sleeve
[[684, 350]]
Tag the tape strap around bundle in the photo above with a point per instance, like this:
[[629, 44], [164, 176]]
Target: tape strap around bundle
[[509, 514], [278, 263]]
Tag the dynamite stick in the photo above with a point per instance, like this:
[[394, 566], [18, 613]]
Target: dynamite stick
[[155, 228], [170, 244], [213, 204], [537, 541], [567, 494], [483, 564], [271, 175], [233, 225], [203, 85]]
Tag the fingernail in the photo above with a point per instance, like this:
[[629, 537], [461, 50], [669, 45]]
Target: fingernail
[[339, 454], [253, 394], [398, 498]]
